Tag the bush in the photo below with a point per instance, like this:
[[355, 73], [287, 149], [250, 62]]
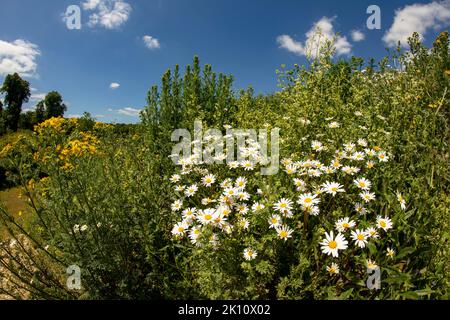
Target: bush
[[103, 197]]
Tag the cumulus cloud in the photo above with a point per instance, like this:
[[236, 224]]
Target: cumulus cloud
[[129, 111], [110, 14], [286, 42], [18, 56], [150, 42], [114, 85], [417, 18], [37, 97], [358, 36], [314, 41]]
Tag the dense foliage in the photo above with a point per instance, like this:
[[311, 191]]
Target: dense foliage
[[111, 201]]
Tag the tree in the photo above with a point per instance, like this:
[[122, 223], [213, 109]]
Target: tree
[[17, 92], [40, 111], [54, 105]]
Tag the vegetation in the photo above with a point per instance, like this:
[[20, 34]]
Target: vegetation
[[109, 198]]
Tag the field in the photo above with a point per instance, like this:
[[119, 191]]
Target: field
[[357, 210]]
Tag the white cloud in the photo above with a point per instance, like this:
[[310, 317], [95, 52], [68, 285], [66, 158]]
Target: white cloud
[[37, 96], [358, 36], [417, 18], [114, 85], [150, 42], [74, 116], [286, 42], [99, 116], [18, 56], [129, 112], [314, 41], [109, 14]]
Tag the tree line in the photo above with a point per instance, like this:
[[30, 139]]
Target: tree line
[[16, 92]]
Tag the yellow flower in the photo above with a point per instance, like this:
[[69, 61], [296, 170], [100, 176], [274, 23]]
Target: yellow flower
[[55, 124]]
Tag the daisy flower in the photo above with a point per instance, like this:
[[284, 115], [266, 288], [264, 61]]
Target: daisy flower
[[384, 223], [335, 164], [274, 221], [233, 165], [208, 180], [191, 190], [382, 156], [250, 254], [243, 196], [219, 220], [206, 201], [332, 188], [242, 208], [224, 210], [194, 233], [179, 229], [359, 208], [401, 200], [284, 232], [180, 188], [344, 224], [230, 192], [213, 240], [350, 170], [334, 124], [284, 205], [349, 147], [371, 265], [370, 152], [360, 237], [206, 216], [244, 223], [362, 142], [241, 182], [290, 169], [367, 196], [257, 207], [390, 252], [307, 200], [317, 146], [363, 183], [370, 164], [358, 156], [314, 173], [372, 232], [331, 245], [175, 178], [226, 183], [189, 214], [176, 205], [313, 210], [247, 165], [333, 269]]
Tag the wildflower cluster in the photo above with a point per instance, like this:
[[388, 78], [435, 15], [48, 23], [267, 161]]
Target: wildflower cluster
[[213, 204]]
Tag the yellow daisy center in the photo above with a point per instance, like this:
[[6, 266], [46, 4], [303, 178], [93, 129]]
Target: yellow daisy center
[[332, 244], [208, 217], [360, 237], [283, 234], [383, 223]]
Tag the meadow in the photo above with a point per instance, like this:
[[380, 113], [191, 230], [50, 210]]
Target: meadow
[[362, 187]]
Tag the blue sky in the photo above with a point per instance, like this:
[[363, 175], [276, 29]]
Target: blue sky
[[237, 37]]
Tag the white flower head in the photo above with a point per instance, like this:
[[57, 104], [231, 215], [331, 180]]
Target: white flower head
[[331, 245]]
